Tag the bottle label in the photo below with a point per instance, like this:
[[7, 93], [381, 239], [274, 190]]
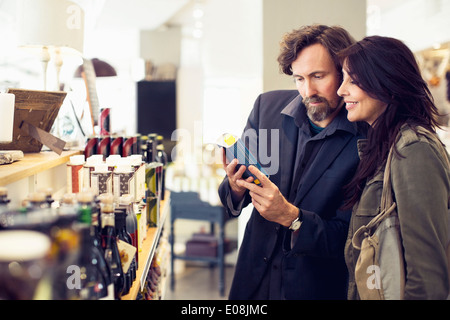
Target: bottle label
[[101, 182], [74, 178], [126, 252], [123, 183]]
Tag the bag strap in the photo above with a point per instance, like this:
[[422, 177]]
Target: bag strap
[[387, 206], [386, 195]]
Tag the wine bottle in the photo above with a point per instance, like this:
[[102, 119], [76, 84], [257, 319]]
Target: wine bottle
[[123, 237], [126, 201], [93, 283], [97, 281], [161, 156], [109, 244], [4, 201], [5, 213]]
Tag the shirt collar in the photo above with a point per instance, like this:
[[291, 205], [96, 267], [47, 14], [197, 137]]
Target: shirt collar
[[297, 110]]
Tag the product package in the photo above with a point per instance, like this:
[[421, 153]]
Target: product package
[[236, 149]]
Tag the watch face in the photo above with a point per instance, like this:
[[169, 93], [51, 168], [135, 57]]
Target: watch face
[[296, 225]]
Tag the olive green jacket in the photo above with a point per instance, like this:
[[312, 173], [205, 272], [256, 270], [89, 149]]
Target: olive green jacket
[[421, 187]]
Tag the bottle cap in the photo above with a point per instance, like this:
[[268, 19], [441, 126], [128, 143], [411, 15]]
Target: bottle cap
[[3, 191], [123, 167], [101, 167], [85, 197], [94, 159], [106, 198], [126, 199], [36, 197], [77, 160], [68, 198]]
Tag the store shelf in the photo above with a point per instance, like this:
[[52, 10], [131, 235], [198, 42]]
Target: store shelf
[[148, 250], [33, 163]]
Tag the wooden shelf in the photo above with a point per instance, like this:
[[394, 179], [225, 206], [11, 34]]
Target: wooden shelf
[[33, 163], [148, 250]]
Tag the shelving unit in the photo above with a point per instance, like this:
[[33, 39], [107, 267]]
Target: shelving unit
[[148, 250], [48, 169], [36, 170], [33, 163]]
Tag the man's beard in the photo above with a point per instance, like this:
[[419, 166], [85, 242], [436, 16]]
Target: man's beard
[[320, 112]]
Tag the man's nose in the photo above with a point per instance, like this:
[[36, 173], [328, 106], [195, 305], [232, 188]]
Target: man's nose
[[310, 89]]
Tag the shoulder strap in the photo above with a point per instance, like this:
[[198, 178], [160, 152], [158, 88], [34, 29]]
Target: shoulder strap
[[387, 207], [386, 195]]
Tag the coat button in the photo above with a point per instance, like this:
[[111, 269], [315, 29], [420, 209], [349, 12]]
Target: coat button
[[265, 259]]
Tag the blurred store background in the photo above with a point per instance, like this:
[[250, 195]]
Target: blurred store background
[[219, 54]]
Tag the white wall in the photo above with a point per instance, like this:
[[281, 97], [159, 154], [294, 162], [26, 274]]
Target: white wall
[[220, 73], [224, 66], [281, 16], [419, 23]]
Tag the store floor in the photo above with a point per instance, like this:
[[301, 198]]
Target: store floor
[[199, 282], [195, 280]]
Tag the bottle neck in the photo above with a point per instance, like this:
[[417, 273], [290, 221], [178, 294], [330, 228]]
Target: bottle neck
[[4, 200], [85, 214], [108, 219]]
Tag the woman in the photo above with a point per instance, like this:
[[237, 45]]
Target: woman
[[383, 86]]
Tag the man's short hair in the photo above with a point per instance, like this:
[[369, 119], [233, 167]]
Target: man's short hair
[[333, 38]]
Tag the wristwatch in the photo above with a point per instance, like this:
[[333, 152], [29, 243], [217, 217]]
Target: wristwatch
[[295, 225]]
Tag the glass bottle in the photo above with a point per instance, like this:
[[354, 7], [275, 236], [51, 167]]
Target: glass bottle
[[93, 283], [151, 148], [109, 244], [4, 201], [97, 282], [126, 201], [5, 214], [162, 157], [122, 235]]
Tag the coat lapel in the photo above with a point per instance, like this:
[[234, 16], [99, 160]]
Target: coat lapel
[[288, 144], [327, 154]]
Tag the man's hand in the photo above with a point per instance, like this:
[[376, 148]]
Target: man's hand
[[237, 192], [268, 200]]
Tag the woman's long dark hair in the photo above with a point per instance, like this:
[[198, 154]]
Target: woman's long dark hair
[[386, 69]]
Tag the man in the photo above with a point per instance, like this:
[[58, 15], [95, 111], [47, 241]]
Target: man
[[294, 239]]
